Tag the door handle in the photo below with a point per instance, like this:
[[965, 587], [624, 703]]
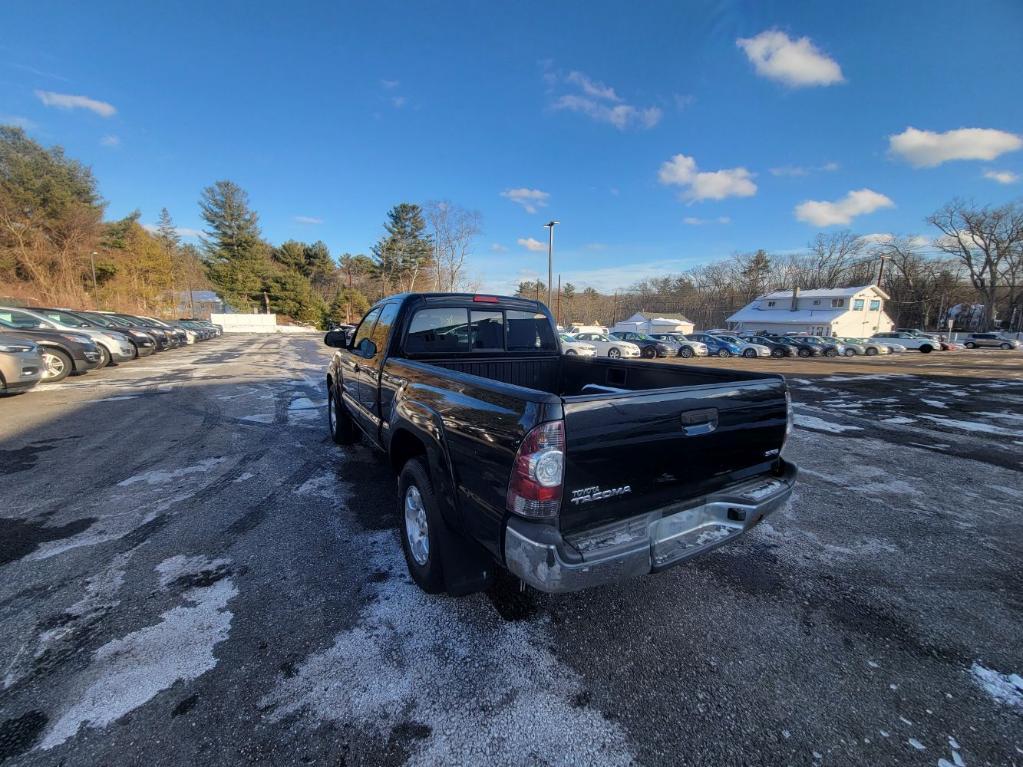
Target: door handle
[[355, 367]]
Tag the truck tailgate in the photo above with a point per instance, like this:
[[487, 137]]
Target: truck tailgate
[[634, 452]]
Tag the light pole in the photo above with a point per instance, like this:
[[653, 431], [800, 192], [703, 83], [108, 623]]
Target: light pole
[[92, 260], [549, 226]]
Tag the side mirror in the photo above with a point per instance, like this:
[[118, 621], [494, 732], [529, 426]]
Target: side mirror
[[335, 338], [367, 348]]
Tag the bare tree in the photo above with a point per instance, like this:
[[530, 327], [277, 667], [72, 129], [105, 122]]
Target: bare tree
[[985, 240], [454, 231], [831, 260]]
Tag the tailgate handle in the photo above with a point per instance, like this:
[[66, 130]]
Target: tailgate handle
[[696, 422]]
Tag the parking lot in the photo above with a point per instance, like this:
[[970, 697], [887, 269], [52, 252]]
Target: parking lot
[[192, 572]]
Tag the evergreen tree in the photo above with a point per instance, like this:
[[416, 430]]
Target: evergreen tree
[[405, 250], [166, 232], [239, 262]]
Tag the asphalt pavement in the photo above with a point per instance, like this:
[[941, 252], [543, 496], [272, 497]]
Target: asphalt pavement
[[191, 572]]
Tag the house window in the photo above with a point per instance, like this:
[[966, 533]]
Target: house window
[[875, 304], [858, 305], [837, 302], [770, 304], [817, 302]]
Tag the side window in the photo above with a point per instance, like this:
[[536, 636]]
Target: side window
[[837, 302], [770, 304], [529, 331], [858, 305], [383, 327], [365, 329], [438, 330], [486, 330], [875, 304]]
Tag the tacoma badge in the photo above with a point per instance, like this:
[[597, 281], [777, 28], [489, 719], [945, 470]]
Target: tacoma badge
[[587, 494]]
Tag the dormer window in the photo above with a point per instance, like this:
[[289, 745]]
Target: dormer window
[[837, 302]]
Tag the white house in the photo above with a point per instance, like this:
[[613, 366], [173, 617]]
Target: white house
[[655, 322], [844, 312]]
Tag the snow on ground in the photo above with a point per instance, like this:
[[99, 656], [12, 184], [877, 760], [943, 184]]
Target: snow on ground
[[975, 426], [126, 673], [159, 476], [1004, 688], [812, 422]]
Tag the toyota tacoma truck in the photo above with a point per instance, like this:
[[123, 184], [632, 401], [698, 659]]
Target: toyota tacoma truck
[[567, 471]]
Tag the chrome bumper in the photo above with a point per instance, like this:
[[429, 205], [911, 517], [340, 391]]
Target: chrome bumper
[[540, 556]]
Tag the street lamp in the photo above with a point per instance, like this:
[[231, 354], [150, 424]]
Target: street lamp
[[549, 226]]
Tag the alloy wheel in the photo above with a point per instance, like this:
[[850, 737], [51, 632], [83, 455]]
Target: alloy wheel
[[416, 528]]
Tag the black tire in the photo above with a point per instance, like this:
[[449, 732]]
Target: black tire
[[57, 365], [805, 353], [134, 351], [926, 349], [613, 353], [427, 571], [105, 358], [777, 353], [571, 353], [871, 351], [724, 353], [831, 353], [1006, 346], [749, 353], [342, 428], [648, 353], [685, 351], [850, 353], [970, 345]]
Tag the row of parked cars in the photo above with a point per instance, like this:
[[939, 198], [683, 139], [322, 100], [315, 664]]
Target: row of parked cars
[[721, 343], [49, 344]]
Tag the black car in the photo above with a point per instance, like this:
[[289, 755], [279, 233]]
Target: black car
[[64, 353], [144, 343], [781, 347], [821, 346], [685, 346], [649, 346], [164, 338]]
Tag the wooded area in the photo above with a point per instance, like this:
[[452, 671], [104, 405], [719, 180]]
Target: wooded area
[[55, 248]]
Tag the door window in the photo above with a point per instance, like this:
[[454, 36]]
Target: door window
[[382, 330], [365, 330], [486, 330]]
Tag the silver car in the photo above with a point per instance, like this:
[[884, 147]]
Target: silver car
[[990, 341], [21, 364], [113, 346]]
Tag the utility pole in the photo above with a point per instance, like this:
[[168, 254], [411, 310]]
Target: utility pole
[[880, 271], [549, 226], [557, 313], [92, 260]]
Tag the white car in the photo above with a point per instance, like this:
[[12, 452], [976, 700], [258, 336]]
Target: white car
[[924, 344], [572, 347], [747, 349], [608, 347]]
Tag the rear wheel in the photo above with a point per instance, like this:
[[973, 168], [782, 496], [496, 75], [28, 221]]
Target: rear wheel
[[926, 349], [686, 352], [1006, 346], [613, 353], [970, 345], [871, 351], [648, 352], [749, 353], [724, 353], [342, 428], [831, 353], [56, 365], [421, 526], [777, 353], [571, 353], [804, 353]]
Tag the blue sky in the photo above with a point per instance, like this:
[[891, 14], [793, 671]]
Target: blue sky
[[661, 135]]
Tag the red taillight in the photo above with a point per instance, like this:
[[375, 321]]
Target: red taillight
[[485, 299], [538, 472]]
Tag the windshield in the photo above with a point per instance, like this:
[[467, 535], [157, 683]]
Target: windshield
[[64, 318], [729, 339], [23, 319], [100, 319]]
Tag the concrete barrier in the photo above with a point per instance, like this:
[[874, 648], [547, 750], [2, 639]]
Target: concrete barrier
[[255, 323]]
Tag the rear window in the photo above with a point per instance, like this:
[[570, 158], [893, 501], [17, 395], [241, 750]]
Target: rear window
[[438, 330], [529, 331], [458, 330]]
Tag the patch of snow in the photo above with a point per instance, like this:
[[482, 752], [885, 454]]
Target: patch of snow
[[259, 418], [1007, 689], [245, 476], [917, 744], [872, 664], [180, 566], [128, 672], [324, 485], [1015, 417], [898, 419], [935, 403], [159, 476], [115, 399], [974, 426], [812, 422], [904, 720]]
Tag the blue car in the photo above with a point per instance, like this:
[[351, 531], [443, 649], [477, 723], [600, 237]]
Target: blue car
[[716, 346]]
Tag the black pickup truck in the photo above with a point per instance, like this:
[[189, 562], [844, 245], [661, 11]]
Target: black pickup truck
[[569, 472]]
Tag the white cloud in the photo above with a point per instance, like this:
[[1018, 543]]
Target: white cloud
[[110, 140], [308, 220], [531, 244], [599, 102], [878, 238], [1002, 176], [530, 199], [681, 171], [856, 203], [183, 231], [20, 122], [796, 63], [925, 149], [498, 248], [695, 221], [804, 170], [398, 101], [67, 101], [390, 84]]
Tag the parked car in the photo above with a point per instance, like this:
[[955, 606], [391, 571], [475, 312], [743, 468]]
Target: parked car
[[178, 333], [803, 349], [113, 347], [864, 346], [607, 346], [686, 347], [778, 348], [163, 339], [64, 353], [925, 344], [144, 344], [829, 347], [746, 348], [571, 347], [21, 363], [717, 346], [569, 473], [990, 340], [649, 347], [893, 347]]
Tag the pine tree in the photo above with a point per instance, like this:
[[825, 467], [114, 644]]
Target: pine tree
[[166, 232], [406, 249], [239, 263]]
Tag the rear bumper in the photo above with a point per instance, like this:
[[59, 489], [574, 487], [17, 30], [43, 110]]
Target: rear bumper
[[540, 556]]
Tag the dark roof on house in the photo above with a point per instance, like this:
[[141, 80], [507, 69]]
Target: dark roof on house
[[199, 295]]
